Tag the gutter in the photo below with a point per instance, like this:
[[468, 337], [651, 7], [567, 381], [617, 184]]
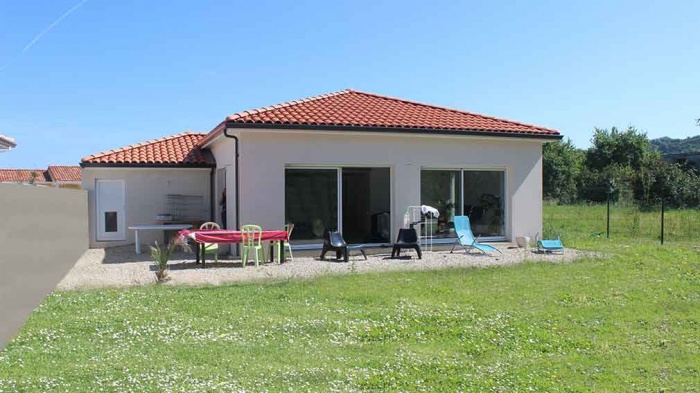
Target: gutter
[[399, 130], [237, 193]]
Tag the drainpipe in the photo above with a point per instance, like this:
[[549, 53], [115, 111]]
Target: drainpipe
[[237, 193], [212, 195]]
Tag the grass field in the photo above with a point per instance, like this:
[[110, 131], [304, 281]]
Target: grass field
[[626, 322], [626, 222]]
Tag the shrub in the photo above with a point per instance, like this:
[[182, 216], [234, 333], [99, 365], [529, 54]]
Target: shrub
[[161, 256]]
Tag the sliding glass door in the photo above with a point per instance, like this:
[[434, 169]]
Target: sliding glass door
[[441, 189], [484, 202], [311, 202], [366, 205], [354, 200], [478, 194]]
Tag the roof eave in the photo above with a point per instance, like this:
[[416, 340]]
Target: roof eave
[[429, 131], [212, 136], [143, 165]]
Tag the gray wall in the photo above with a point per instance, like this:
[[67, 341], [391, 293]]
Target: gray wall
[[43, 232]]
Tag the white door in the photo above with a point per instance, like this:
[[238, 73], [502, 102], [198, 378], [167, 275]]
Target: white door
[[110, 210]]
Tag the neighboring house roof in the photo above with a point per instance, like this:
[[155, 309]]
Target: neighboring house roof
[[64, 174], [55, 173], [6, 142], [355, 110], [22, 176], [175, 150]]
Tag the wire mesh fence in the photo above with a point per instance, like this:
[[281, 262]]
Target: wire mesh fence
[[655, 222]]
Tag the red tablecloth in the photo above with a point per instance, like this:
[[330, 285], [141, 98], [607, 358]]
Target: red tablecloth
[[228, 236]]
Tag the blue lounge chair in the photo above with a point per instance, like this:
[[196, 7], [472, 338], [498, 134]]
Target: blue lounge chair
[[549, 245], [465, 237]]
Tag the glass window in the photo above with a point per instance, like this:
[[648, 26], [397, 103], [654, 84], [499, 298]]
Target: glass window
[[441, 190], [111, 222], [484, 202], [311, 202]]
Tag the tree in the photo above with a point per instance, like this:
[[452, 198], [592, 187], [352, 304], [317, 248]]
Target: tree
[[675, 185], [618, 166], [614, 182], [630, 148], [561, 167]]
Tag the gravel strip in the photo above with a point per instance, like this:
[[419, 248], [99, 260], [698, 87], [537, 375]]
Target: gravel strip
[[121, 267]]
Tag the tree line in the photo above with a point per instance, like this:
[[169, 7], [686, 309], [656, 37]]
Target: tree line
[[620, 165], [668, 145]]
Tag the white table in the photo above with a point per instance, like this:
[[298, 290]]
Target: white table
[[163, 227]]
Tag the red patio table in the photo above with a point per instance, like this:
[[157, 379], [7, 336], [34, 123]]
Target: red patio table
[[226, 236]]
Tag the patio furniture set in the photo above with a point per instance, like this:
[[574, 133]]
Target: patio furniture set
[[251, 237]]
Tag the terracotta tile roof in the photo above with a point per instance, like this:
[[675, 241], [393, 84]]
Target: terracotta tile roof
[[351, 108], [7, 141], [22, 175], [178, 149], [59, 173]]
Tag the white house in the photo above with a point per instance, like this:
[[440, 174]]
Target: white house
[[349, 160]]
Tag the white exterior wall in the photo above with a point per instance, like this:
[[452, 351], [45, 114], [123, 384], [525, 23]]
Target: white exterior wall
[[145, 196], [225, 149], [264, 155]]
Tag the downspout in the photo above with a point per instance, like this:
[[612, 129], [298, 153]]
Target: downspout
[[212, 196], [237, 193]]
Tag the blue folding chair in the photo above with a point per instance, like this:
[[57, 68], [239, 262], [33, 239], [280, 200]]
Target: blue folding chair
[[465, 237], [549, 245]]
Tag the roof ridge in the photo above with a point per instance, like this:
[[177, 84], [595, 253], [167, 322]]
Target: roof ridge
[[286, 104], [450, 109], [140, 144]]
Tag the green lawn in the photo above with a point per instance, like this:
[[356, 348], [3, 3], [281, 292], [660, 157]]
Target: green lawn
[[681, 226], [629, 322]]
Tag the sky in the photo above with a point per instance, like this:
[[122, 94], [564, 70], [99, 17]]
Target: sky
[[81, 77]]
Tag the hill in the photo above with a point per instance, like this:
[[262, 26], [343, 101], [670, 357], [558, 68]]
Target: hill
[[668, 145]]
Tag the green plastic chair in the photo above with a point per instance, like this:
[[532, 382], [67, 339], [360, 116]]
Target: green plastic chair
[[252, 241], [210, 248], [287, 247]]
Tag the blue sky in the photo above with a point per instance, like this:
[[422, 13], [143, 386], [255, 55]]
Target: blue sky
[[113, 73]]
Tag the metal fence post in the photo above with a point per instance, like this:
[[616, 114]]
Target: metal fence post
[[662, 221], [608, 222]]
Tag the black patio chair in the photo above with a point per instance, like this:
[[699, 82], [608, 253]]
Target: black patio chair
[[333, 241], [408, 238]]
